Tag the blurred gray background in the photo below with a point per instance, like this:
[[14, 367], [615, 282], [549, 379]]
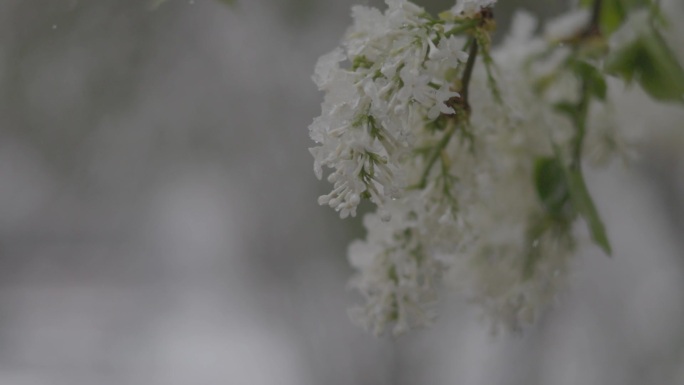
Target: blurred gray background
[[159, 225]]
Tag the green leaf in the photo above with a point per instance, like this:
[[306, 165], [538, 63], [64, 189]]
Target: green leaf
[[552, 187], [569, 109], [649, 61], [612, 16], [585, 206], [599, 88], [615, 12], [665, 79], [593, 78], [623, 62], [571, 179]]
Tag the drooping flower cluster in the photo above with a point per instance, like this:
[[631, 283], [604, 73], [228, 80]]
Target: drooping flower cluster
[[475, 169], [394, 79]]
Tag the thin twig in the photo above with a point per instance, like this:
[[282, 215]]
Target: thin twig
[[452, 122], [441, 145], [467, 73]]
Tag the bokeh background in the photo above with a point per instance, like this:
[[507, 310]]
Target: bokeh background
[[159, 225]]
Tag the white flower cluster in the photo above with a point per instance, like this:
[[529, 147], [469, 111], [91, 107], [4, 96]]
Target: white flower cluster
[[453, 180], [393, 82]]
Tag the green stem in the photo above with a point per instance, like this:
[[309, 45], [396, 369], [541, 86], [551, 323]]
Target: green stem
[[592, 29], [452, 120], [581, 123], [451, 128]]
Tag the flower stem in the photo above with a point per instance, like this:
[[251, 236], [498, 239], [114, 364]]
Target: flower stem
[[441, 145], [581, 123], [592, 29], [454, 120], [467, 73]]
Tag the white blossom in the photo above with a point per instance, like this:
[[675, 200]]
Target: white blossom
[[454, 186], [476, 234], [469, 8], [373, 101]]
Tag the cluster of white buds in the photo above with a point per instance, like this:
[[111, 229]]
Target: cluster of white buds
[[475, 169]]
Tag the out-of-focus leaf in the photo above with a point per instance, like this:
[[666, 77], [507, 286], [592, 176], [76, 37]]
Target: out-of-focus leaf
[[552, 187], [585, 207], [564, 194], [623, 62], [615, 12], [569, 109], [593, 78], [649, 61], [665, 79]]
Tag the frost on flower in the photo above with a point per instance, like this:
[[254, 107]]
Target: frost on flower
[[380, 87], [396, 275], [469, 8], [464, 162]]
